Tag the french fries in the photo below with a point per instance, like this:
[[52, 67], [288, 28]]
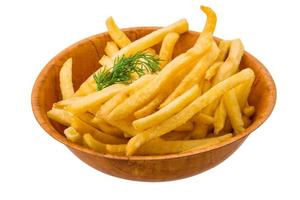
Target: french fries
[[146, 106], [65, 79]]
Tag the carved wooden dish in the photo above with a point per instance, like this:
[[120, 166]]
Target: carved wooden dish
[[86, 54]]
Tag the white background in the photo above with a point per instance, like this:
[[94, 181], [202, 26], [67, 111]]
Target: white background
[[35, 166]]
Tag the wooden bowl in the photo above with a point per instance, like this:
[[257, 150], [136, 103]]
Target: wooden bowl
[[86, 54]]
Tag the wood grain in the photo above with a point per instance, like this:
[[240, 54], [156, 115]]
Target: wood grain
[[86, 54]]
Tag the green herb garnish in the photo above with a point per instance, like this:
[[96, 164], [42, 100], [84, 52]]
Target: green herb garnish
[[123, 67]]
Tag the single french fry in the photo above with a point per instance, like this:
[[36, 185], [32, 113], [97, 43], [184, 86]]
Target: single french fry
[[92, 100], [211, 20], [188, 126], [233, 110], [107, 128], [151, 107], [224, 47], [125, 125], [109, 105], [203, 118], [177, 135], [65, 102], [94, 144], [147, 93], [212, 70], [139, 45], [72, 135], [196, 75], [188, 112], [111, 48], [166, 112], [200, 130], [167, 47], [249, 110], [106, 62], [150, 51], [87, 118], [220, 117], [65, 79], [83, 128], [242, 92], [116, 34], [61, 116]]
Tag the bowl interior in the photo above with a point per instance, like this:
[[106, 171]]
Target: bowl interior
[[86, 54]]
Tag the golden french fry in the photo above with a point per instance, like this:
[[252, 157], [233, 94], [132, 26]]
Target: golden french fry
[[83, 128], [210, 141], [92, 100], [249, 110], [94, 144], [109, 105], [188, 126], [87, 118], [107, 128], [106, 62], [147, 93], [200, 130], [150, 51], [61, 116], [220, 117], [111, 48], [65, 79], [233, 110], [242, 92], [203, 118], [196, 75], [211, 21], [125, 125], [139, 45], [151, 107], [116, 34], [177, 135], [212, 70], [167, 47], [169, 110], [188, 112], [224, 47], [72, 135], [206, 86], [65, 102]]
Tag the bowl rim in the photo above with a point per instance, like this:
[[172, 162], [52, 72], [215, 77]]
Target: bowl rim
[[45, 123]]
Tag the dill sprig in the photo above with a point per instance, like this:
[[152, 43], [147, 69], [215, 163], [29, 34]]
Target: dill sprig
[[140, 63]]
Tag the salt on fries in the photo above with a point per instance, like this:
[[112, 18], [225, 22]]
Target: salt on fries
[[140, 102]]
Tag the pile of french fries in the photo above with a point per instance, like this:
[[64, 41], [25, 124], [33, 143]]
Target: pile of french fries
[[197, 99]]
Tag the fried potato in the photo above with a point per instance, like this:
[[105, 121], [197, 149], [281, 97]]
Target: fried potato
[[61, 116], [109, 105], [188, 126], [177, 135], [147, 93], [65, 102], [72, 135], [247, 121], [116, 34], [220, 117], [106, 62], [200, 130], [84, 103], [188, 112], [242, 93], [196, 75], [65, 80], [206, 86], [111, 49], [166, 112], [151, 107], [224, 47], [249, 110], [167, 46], [107, 128], [212, 70], [83, 128], [125, 125], [211, 21], [203, 118], [92, 143], [233, 110]]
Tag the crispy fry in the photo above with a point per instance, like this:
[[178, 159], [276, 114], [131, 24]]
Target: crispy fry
[[61, 116], [177, 135], [211, 20], [107, 128], [188, 112], [188, 126], [242, 93], [196, 75], [151, 107], [106, 61], [147, 93], [200, 130], [212, 70], [65, 79], [206, 86], [166, 112], [203, 118], [233, 110], [220, 117], [116, 34], [65, 102], [83, 128], [167, 47], [84, 103], [109, 105], [111, 49], [249, 110], [72, 135], [125, 125], [94, 144], [224, 47]]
